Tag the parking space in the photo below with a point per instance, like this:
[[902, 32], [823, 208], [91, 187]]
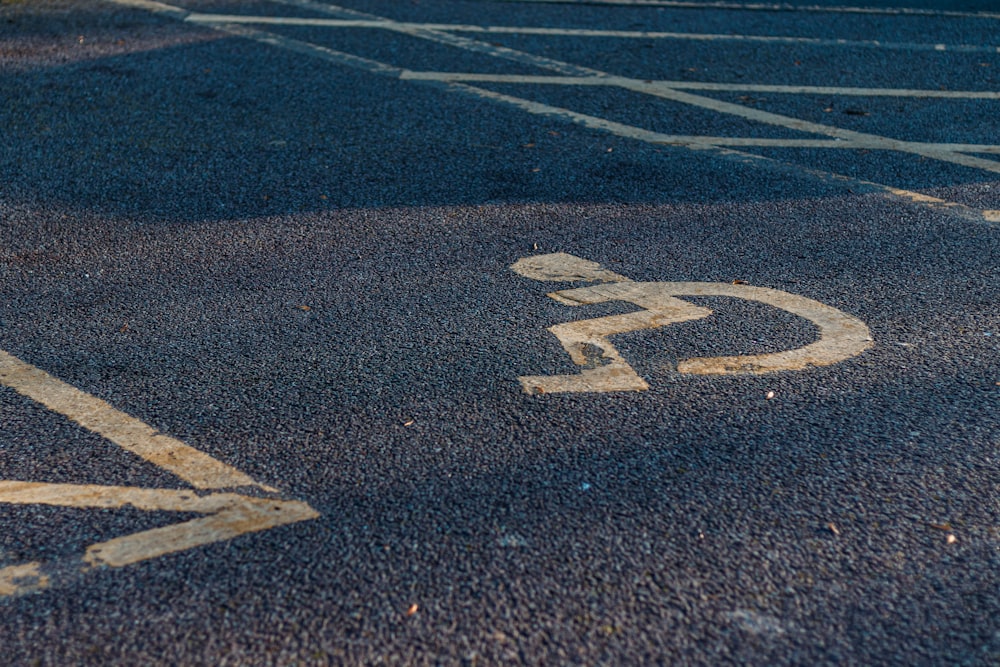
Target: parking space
[[481, 332]]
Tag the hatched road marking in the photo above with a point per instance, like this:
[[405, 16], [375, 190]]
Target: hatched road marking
[[841, 336], [967, 155], [226, 514]]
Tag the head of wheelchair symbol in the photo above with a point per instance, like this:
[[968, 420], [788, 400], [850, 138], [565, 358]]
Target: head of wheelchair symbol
[[841, 336]]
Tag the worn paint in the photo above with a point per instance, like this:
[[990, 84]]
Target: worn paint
[[22, 578], [588, 344], [225, 514]]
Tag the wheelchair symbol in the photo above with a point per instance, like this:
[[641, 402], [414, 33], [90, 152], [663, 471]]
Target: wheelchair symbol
[[841, 336]]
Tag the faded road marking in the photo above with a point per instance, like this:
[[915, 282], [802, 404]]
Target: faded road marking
[[226, 514], [724, 147], [841, 336], [619, 129]]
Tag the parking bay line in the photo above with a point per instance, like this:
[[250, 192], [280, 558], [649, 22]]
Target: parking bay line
[[770, 7], [515, 79], [666, 92], [376, 67], [301, 21], [836, 91], [653, 89], [626, 131]]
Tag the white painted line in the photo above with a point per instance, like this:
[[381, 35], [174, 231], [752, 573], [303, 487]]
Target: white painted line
[[841, 336], [581, 32], [666, 92], [474, 77], [771, 7], [155, 7], [792, 169], [310, 49], [837, 90], [449, 39], [227, 515], [247, 19]]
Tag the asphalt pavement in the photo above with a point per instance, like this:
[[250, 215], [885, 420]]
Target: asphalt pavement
[[499, 332]]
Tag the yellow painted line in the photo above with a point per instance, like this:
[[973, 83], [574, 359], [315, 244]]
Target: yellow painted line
[[195, 467], [226, 515], [564, 268], [841, 336], [386, 24], [16, 579], [231, 515], [702, 85], [248, 515], [113, 497]]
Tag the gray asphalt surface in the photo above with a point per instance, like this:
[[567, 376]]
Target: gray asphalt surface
[[301, 267]]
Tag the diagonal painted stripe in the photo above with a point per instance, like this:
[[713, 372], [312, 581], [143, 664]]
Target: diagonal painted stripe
[[195, 467], [229, 515], [707, 86], [155, 7], [856, 185], [248, 515], [792, 169], [448, 39], [780, 120], [662, 91]]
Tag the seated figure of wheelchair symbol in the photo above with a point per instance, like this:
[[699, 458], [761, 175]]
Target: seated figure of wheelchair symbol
[[841, 336]]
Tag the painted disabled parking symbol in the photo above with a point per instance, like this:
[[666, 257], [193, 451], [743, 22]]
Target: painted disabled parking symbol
[[841, 336]]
